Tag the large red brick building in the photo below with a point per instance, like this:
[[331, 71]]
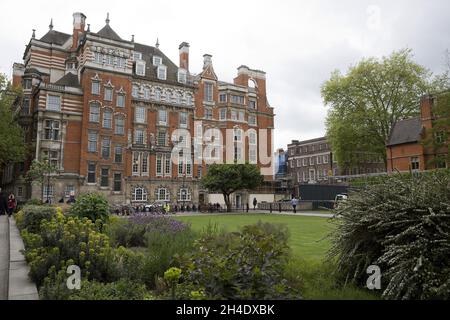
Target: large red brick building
[[410, 146], [108, 112]]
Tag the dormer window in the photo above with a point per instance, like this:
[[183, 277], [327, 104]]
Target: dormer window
[[157, 60], [182, 76], [162, 72], [140, 68]]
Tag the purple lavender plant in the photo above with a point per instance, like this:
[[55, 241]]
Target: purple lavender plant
[[159, 223]]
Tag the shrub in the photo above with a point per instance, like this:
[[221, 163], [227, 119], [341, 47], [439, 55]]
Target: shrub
[[34, 202], [93, 206], [33, 216], [242, 265], [403, 226], [123, 289], [126, 233], [72, 239], [163, 249]]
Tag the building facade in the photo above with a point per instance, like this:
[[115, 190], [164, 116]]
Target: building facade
[[415, 145], [120, 118], [312, 161]]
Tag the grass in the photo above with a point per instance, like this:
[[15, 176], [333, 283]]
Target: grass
[[309, 244], [307, 234]]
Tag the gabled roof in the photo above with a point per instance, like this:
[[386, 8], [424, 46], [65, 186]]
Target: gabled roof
[[108, 32], [150, 70], [56, 37], [405, 131], [69, 80]]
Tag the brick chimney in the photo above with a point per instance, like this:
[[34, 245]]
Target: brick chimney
[[184, 55], [79, 21], [207, 61]]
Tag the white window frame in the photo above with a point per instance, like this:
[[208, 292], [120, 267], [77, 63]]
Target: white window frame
[[139, 114], [91, 146], [137, 134], [94, 116], [208, 95], [135, 91], [120, 100], [166, 116], [107, 120], [143, 194], [185, 123], [182, 76], [95, 85], [159, 165], [53, 106], [140, 68], [119, 125], [160, 76], [108, 94], [157, 60], [223, 114]]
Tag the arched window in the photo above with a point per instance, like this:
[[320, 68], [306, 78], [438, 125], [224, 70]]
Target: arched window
[[140, 194], [184, 194], [162, 194]]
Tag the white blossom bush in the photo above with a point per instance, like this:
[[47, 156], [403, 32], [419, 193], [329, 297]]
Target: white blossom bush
[[401, 224]]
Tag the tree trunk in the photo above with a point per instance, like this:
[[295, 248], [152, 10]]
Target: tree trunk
[[226, 197]]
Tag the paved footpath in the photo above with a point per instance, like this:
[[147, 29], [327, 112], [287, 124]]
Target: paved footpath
[[14, 281], [283, 213], [4, 257]]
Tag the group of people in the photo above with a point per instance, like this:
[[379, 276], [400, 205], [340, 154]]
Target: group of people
[[8, 204]]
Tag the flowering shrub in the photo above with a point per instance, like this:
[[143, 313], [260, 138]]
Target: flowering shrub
[[68, 238], [159, 223], [401, 224]]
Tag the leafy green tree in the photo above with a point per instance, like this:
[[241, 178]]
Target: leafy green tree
[[437, 139], [41, 172], [369, 99], [228, 178], [12, 146]]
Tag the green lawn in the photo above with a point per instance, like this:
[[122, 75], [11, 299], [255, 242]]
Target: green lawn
[[307, 234], [309, 245]]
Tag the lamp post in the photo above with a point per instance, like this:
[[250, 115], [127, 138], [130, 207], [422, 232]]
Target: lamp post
[[48, 176]]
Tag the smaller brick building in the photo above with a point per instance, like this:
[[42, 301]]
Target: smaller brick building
[[409, 147], [312, 161]]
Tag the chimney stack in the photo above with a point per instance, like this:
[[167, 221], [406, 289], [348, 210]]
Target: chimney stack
[[184, 55], [79, 21], [207, 60]]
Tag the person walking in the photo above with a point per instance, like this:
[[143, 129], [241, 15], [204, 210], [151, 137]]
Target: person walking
[[3, 203], [12, 204], [294, 203], [255, 202]]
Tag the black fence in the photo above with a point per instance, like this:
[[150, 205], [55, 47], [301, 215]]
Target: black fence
[[321, 194]]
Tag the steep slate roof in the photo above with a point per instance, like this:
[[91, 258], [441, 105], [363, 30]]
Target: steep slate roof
[[405, 131], [108, 32], [70, 80], [55, 37], [150, 70]]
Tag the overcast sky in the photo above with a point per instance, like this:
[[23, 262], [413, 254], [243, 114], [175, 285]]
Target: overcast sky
[[297, 43]]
